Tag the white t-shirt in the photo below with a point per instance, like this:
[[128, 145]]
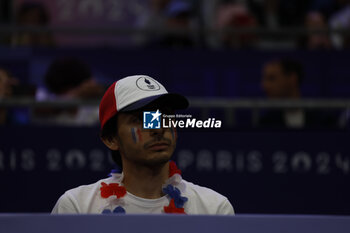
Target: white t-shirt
[[86, 199]]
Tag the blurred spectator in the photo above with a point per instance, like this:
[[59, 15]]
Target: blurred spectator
[[178, 16], [31, 14], [236, 16], [341, 20], [5, 84], [278, 13], [155, 18], [11, 88], [265, 11], [282, 80], [5, 92], [315, 21], [69, 78]]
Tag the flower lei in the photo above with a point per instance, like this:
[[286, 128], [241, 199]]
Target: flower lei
[[115, 192]]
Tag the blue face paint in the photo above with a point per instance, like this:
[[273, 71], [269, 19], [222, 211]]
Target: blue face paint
[[134, 135]]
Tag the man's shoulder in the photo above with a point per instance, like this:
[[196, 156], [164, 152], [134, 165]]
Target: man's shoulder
[[86, 192], [203, 200], [81, 199]]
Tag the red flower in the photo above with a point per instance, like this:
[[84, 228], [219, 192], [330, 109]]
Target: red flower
[[173, 169], [171, 208], [108, 190]]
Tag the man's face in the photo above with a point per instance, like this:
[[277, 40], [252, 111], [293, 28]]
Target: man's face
[[149, 147], [5, 84], [274, 82]]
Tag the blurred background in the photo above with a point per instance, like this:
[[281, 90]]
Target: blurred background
[[276, 72]]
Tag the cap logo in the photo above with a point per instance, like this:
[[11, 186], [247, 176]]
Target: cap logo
[[147, 84]]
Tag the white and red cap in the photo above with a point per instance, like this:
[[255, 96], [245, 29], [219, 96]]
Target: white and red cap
[[134, 92]]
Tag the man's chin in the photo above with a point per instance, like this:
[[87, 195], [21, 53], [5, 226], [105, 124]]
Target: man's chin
[[157, 161]]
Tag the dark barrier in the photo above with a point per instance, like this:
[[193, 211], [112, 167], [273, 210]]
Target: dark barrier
[[304, 172], [173, 224]]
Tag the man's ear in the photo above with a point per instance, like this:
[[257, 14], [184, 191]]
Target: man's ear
[[111, 143]]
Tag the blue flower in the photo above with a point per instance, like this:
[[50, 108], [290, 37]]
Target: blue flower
[[119, 210], [106, 211], [115, 170], [175, 194]]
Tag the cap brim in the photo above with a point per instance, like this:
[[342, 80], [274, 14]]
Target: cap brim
[[172, 100]]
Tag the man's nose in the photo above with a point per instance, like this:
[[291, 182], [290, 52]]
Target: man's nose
[[157, 132]]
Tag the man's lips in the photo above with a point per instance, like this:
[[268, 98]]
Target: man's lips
[[159, 146]]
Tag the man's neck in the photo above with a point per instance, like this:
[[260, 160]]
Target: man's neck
[[144, 181]]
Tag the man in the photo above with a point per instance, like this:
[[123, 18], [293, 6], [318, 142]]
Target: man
[[149, 183], [68, 78], [282, 80], [6, 86], [11, 87]]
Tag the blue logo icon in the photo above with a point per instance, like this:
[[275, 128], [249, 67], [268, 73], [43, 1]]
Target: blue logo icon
[[151, 120]]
